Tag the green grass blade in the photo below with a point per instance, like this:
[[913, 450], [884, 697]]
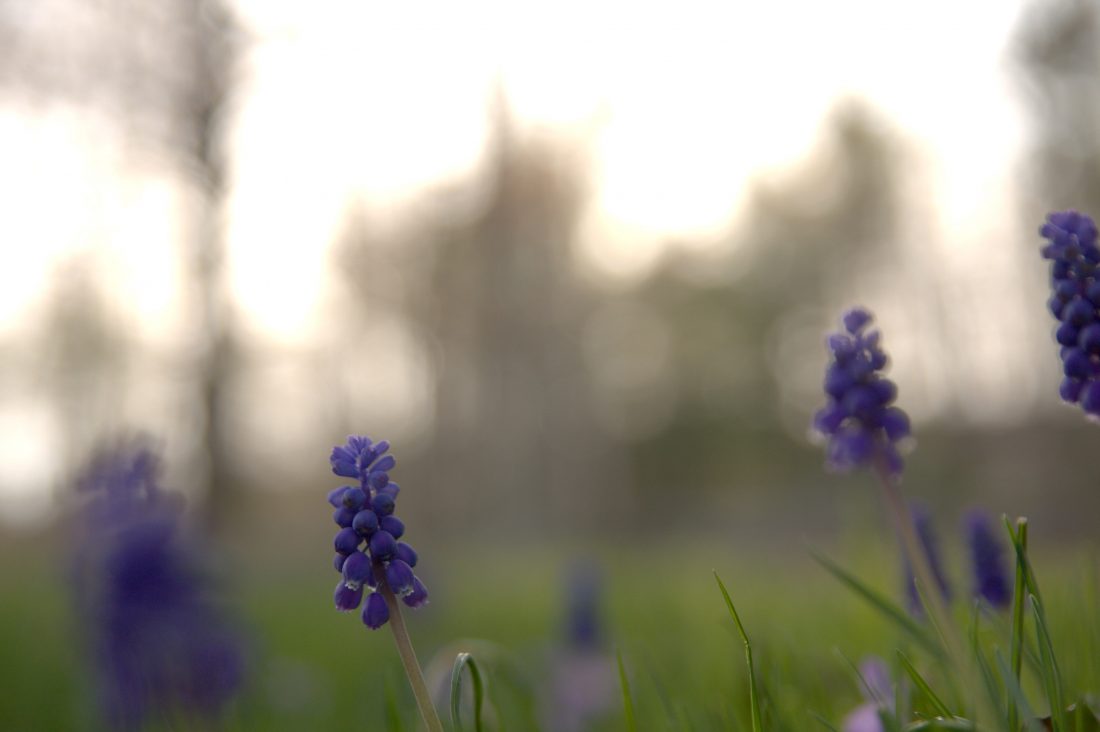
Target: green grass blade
[[466, 661], [990, 681], [1016, 695], [919, 681], [393, 711], [754, 692], [628, 701], [824, 722], [889, 609], [1052, 679], [1019, 597]]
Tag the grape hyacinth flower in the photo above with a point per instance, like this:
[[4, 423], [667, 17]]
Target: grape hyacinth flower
[[991, 580], [369, 556], [160, 645], [1075, 302], [368, 553], [858, 422], [878, 692]]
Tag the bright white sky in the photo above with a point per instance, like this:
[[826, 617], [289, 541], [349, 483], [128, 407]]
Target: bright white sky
[[681, 103]]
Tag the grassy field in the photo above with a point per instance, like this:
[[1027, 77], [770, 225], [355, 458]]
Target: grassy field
[[312, 668]]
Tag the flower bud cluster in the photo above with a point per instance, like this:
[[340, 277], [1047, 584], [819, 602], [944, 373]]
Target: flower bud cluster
[[368, 553], [1075, 302], [858, 421]]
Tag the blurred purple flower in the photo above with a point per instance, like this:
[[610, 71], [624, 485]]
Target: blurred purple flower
[[583, 685], [160, 644], [922, 522], [878, 691], [368, 553], [991, 580], [859, 423], [1074, 302]]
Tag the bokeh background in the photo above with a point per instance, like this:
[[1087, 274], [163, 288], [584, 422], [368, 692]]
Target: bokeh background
[[575, 261]]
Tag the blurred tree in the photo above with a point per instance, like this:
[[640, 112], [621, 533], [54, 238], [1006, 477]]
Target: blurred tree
[[1058, 52], [498, 302], [807, 244], [162, 73]]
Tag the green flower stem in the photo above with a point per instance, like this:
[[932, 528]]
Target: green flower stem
[[408, 659]]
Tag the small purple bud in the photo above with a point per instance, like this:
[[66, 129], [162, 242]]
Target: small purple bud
[[418, 596], [838, 380], [375, 612], [884, 390], [855, 320], [336, 496], [378, 479], [399, 576], [896, 424], [346, 541], [348, 598], [343, 517], [1076, 364], [384, 465], [356, 569], [828, 418], [1066, 334], [382, 546], [394, 525], [1089, 338], [365, 522], [353, 499], [383, 504], [405, 553], [390, 489], [338, 562], [1090, 399], [1079, 312], [1070, 390]]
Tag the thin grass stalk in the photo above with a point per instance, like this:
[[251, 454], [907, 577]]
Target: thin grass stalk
[[1019, 597]]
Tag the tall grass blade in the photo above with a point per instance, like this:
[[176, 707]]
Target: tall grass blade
[[990, 681], [918, 680], [889, 609], [1052, 678], [466, 661], [754, 693], [628, 701], [1017, 699]]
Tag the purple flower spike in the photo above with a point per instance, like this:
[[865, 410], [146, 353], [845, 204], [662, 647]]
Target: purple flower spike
[[858, 421], [375, 612], [365, 513], [991, 580], [1075, 303], [156, 636]]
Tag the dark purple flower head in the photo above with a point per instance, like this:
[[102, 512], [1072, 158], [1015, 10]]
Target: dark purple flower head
[[160, 643], [859, 423], [368, 554], [922, 522], [991, 580], [583, 590], [1075, 303]]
